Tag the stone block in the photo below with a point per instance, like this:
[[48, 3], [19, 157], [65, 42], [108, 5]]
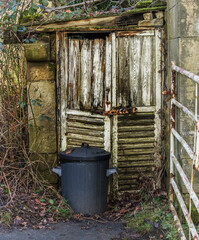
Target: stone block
[[188, 18], [44, 161], [41, 71], [171, 4], [53, 47], [42, 104], [43, 140], [49, 176], [148, 16], [173, 22], [157, 22], [159, 14], [188, 57], [37, 52], [42, 117]]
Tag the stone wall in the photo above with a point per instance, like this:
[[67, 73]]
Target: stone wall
[[183, 43], [42, 104]]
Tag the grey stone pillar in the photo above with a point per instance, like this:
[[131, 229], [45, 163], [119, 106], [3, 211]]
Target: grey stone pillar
[[183, 46], [42, 107]]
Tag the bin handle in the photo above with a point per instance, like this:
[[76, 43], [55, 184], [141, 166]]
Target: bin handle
[[85, 145]]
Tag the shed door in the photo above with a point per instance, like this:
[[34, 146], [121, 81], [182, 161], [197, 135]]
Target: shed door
[[97, 73]]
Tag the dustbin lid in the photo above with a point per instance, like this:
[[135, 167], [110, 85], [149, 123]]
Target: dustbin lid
[[84, 153]]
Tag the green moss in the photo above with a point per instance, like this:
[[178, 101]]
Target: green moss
[[152, 216], [144, 10], [52, 67], [143, 4]]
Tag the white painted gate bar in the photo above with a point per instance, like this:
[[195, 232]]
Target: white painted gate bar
[[193, 154]]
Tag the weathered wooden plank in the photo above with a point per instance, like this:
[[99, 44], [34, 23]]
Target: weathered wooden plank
[[136, 122], [82, 125], [62, 79], [86, 72], [86, 120], [85, 137], [98, 73], [134, 69], [85, 132], [135, 151], [133, 129], [143, 157], [73, 144], [130, 134], [146, 71], [136, 115], [136, 140], [123, 88], [108, 94], [134, 176], [134, 164], [84, 114], [74, 74], [137, 146], [134, 170]]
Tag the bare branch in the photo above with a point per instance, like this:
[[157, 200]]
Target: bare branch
[[74, 5]]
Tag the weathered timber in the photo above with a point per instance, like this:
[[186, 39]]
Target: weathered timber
[[137, 146], [137, 158], [133, 129], [85, 132], [78, 144], [82, 125], [86, 120], [136, 140], [136, 122], [136, 134], [134, 176], [134, 170], [97, 23], [135, 164], [84, 137], [135, 151]]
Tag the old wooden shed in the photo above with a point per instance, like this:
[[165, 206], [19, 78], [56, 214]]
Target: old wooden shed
[[80, 69]]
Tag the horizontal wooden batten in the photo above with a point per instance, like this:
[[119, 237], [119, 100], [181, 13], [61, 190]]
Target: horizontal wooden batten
[[136, 128], [135, 170], [135, 146], [86, 119], [136, 134], [127, 164], [84, 137], [78, 125], [143, 157], [136, 140], [127, 176], [85, 132], [134, 122]]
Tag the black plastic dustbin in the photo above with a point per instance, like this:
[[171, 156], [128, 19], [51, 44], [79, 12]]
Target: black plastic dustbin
[[84, 178]]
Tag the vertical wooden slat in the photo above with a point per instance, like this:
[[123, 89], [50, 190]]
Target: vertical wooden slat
[[98, 73], [86, 65], [123, 95], [62, 78], [73, 80], [115, 118], [134, 70], [146, 70], [107, 120]]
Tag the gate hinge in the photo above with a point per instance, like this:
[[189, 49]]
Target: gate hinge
[[167, 93]]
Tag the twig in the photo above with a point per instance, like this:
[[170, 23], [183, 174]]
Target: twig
[[69, 6]]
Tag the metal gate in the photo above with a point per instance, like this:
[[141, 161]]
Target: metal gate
[[101, 71], [193, 154]]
